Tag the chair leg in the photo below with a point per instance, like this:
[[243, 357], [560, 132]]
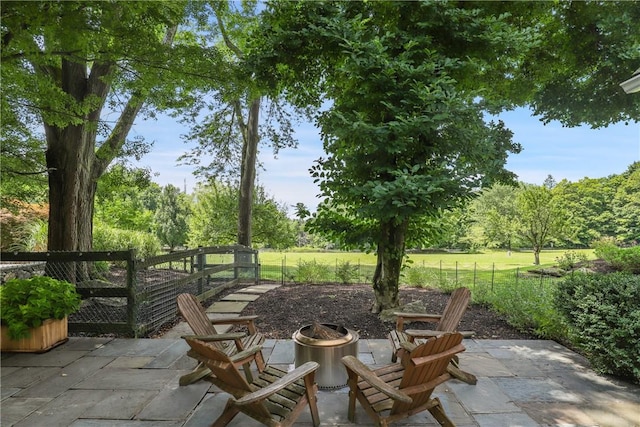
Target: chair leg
[[230, 411], [260, 361], [311, 391], [351, 415], [197, 374], [438, 413], [247, 372], [454, 370]]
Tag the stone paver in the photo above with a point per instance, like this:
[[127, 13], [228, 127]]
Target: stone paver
[[227, 307], [241, 297], [259, 289]]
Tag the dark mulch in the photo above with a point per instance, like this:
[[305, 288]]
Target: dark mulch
[[284, 310]]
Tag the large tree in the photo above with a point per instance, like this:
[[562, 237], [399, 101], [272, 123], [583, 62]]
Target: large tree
[[495, 212], [541, 219], [171, 217], [408, 84], [405, 136], [213, 219], [626, 206], [233, 120], [67, 65]]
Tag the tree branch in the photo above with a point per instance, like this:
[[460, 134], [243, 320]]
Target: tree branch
[[225, 37], [112, 146]]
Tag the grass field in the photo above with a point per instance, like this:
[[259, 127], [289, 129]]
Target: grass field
[[500, 260]]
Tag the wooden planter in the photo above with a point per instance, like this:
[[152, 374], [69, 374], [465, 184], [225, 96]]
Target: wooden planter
[[50, 334]]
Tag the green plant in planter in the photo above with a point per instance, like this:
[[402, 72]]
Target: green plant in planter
[[26, 303]]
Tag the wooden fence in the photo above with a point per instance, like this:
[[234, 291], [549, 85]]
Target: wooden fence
[[128, 296]]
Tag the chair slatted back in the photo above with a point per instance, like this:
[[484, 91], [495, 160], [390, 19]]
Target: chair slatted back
[[425, 368], [196, 317], [454, 310]]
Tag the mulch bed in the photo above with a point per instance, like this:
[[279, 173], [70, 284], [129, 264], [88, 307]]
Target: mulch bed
[[284, 310]]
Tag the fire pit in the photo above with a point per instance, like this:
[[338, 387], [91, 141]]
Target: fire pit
[[326, 344]]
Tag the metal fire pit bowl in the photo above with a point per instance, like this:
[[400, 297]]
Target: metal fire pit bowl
[[328, 353]]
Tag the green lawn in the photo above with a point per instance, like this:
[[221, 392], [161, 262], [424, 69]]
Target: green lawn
[[499, 260]]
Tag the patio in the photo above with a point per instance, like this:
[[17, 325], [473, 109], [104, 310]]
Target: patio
[[94, 382]]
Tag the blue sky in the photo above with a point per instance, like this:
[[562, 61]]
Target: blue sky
[[564, 153]]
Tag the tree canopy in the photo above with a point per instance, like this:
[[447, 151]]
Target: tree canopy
[[68, 67]]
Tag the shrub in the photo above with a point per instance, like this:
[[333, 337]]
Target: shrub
[[570, 260], [528, 306], [113, 239], [623, 259], [346, 273], [416, 276], [312, 272], [604, 313]]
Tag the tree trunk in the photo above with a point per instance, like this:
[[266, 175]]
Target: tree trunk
[[390, 254], [536, 255], [74, 163], [248, 174]]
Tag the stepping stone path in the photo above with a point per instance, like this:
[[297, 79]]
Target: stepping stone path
[[231, 305]]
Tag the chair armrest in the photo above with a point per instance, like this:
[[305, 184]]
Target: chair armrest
[[232, 336], [414, 317], [232, 320], [288, 379], [360, 369], [419, 316], [244, 356], [425, 333], [248, 321], [408, 346]]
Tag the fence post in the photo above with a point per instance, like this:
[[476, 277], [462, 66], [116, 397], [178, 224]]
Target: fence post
[[132, 303], [475, 274], [517, 274], [200, 265], [256, 267], [493, 275], [456, 273], [440, 271]]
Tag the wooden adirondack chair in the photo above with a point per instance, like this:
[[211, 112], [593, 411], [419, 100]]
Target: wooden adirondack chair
[[448, 321], [276, 398], [228, 343], [400, 390]]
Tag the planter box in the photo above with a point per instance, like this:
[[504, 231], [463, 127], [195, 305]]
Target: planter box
[[51, 334]]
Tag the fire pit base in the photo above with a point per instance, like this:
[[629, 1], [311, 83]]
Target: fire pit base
[[328, 353]]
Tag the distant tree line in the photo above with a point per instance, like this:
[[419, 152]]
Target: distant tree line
[[564, 214]]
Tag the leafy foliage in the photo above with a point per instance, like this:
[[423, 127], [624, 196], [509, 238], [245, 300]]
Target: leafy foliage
[[604, 314], [405, 134], [106, 238], [312, 271], [346, 272], [541, 219], [171, 217], [570, 260], [26, 303], [626, 206], [118, 57], [121, 198], [213, 220], [622, 259]]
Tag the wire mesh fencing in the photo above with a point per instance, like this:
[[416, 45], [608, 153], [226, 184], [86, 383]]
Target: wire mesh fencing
[[127, 296]]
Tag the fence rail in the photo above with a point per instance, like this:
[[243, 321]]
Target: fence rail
[[135, 297]]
